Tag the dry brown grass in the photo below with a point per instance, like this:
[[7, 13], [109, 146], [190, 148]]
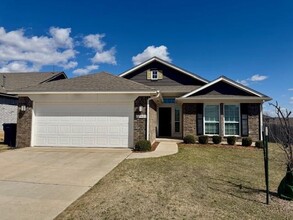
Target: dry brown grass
[[200, 182]]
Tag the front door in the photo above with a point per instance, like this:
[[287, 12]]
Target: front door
[[165, 122]]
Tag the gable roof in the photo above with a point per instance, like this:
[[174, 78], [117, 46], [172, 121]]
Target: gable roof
[[167, 64], [93, 83], [230, 82], [14, 81]]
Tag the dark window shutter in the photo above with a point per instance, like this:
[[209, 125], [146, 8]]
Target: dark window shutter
[[199, 119], [244, 120]]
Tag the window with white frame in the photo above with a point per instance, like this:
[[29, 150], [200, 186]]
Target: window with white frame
[[232, 119], [211, 119], [177, 119], [154, 75]]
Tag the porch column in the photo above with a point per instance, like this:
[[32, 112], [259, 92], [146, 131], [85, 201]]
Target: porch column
[[222, 121]]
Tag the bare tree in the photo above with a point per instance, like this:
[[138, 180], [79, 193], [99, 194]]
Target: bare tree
[[284, 138]]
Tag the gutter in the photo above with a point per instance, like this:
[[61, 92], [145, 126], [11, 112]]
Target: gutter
[[148, 112], [80, 92]]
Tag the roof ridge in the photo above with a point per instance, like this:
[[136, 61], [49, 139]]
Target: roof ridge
[[154, 58]]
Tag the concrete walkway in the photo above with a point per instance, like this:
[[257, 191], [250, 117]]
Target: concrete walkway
[[165, 147]]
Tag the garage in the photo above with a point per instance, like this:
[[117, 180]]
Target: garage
[[95, 110], [83, 124]]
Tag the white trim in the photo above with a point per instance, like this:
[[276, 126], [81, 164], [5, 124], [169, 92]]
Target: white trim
[[33, 124], [163, 62], [89, 92], [239, 122], [172, 106], [152, 78], [179, 107], [204, 118], [225, 80], [223, 99]]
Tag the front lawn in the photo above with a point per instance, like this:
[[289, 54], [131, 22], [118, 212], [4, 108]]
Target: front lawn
[[200, 182]]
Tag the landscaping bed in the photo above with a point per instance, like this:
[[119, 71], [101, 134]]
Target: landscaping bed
[[199, 182]]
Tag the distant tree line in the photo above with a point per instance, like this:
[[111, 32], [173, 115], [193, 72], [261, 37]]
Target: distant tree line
[[275, 128]]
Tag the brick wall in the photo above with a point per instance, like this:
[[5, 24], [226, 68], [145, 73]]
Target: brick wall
[[254, 121], [24, 123], [189, 119], [153, 121], [139, 127]]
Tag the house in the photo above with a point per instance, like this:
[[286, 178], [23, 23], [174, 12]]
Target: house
[[14, 81], [153, 99]]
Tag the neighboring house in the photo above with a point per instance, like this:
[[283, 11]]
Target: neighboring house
[[14, 81], [153, 99]]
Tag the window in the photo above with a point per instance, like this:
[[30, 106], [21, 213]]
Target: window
[[231, 119], [154, 75], [211, 119], [169, 100], [177, 119]]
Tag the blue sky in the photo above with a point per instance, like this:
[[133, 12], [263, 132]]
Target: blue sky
[[247, 41]]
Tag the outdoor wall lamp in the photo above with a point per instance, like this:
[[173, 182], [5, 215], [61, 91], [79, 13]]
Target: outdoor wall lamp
[[23, 108]]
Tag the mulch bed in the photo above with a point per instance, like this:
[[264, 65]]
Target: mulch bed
[[220, 146], [154, 146]]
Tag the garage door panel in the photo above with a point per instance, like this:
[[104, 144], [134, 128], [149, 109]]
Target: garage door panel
[[82, 125]]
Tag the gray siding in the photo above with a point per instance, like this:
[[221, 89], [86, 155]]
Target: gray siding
[[8, 110], [222, 88], [171, 77]]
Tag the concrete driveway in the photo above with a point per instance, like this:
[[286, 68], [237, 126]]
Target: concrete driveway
[[39, 183]]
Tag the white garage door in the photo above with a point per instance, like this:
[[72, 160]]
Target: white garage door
[[83, 125]]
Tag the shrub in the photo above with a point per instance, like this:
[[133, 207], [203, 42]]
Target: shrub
[[246, 141], [203, 139], [143, 145], [231, 140], [189, 139], [217, 139], [259, 144]]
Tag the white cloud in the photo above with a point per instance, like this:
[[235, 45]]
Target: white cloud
[[18, 66], [254, 78], [258, 77], [107, 56], [243, 82], [291, 89], [70, 65], [95, 42], [19, 52], [86, 70], [151, 51], [62, 37]]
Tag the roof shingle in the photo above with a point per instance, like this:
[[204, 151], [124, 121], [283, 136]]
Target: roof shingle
[[15, 81], [99, 82]]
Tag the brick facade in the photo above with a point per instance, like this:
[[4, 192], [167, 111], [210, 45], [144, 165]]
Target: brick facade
[[189, 119], [254, 121], [189, 111], [24, 123], [140, 124]]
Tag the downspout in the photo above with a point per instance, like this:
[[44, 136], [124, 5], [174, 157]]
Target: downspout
[[148, 112]]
